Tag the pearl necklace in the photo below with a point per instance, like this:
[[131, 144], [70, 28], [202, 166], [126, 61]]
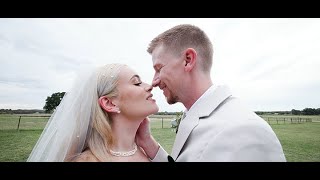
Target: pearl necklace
[[124, 154]]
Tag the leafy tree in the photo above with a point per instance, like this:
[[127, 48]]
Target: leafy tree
[[295, 112], [53, 101], [309, 111]]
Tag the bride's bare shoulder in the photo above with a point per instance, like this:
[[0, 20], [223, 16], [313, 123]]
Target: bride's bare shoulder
[[86, 156]]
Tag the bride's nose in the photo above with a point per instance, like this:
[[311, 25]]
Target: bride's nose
[[148, 87]]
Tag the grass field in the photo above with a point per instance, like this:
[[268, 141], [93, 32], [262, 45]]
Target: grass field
[[300, 141]]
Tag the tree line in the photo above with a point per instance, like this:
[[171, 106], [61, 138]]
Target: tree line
[[54, 100], [305, 111], [21, 111]]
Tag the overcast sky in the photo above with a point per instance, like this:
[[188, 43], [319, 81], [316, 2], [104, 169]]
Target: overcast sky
[[271, 64]]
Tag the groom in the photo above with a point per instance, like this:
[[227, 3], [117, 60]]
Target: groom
[[217, 126]]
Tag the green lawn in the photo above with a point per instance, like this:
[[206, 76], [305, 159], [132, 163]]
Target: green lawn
[[299, 141], [165, 137], [15, 146]]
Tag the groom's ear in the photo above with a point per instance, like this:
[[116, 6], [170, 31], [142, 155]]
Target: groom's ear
[[107, 105], [190, 59]]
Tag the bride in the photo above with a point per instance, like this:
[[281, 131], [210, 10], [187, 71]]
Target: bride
[[98, 119]]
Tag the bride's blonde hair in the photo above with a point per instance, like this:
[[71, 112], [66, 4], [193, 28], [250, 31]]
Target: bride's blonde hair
[[100, 137], [79, 122]]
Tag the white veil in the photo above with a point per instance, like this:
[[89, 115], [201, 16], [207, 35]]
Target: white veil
[[69, 126]]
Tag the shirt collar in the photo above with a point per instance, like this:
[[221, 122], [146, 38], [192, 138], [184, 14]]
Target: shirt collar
[[203, 96]]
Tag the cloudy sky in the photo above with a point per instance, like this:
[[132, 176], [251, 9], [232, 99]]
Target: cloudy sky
[[271, 64]]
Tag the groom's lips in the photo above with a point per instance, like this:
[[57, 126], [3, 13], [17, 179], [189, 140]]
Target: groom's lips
[[162, 87]]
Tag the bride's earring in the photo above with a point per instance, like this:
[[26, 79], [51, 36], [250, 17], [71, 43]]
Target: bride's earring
[[118, 110]]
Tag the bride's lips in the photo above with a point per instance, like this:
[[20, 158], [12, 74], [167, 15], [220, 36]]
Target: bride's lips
[[150, 98]]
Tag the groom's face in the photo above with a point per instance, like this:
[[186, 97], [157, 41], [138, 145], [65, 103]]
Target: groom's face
[[167, 73]]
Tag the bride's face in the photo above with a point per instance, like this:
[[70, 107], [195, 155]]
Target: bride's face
[[134, 96]]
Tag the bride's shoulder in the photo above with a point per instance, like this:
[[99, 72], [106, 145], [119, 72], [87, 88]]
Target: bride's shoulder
[[85, 156]]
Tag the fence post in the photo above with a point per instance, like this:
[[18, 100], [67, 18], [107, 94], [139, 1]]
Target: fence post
[[162, 123], [19, 123]]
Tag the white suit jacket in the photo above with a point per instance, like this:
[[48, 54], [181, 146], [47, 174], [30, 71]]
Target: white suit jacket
[[219, 128]]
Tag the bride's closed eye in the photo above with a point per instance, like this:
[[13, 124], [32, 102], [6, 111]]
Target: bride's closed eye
[[138, 84]]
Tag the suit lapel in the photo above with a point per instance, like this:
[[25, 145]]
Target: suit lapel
[[185, 128], [212, 101], [203, 108]]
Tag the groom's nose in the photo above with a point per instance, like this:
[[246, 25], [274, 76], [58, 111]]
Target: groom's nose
[[156, 80]]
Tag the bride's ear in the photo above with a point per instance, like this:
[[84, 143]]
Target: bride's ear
[[107, 105]]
